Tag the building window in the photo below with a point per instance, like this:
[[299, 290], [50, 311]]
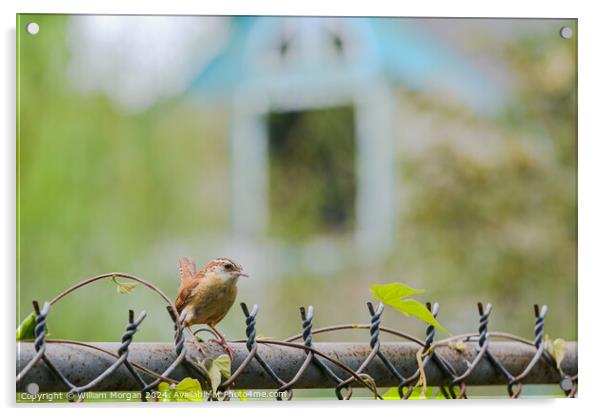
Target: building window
[[312, 172]]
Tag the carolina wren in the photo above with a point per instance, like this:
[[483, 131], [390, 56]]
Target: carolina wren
[[207, 295]]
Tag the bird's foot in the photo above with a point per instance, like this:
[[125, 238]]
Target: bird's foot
[[199, 347], [224, 344]]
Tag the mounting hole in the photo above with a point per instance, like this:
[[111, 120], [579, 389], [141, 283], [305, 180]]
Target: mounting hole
[[566, 32], [32, 28], [32, 388], [566, 384]]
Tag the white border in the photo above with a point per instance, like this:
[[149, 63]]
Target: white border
[[590, 202]]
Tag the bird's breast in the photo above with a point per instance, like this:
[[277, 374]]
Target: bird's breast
[[212, 299]]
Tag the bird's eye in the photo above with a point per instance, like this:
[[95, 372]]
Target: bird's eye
[[228, 266]]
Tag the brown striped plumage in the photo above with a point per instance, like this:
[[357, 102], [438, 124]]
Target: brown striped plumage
[[207, 295]]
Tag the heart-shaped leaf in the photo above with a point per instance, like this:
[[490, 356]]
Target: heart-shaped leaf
[[392, 294], [557, 348], [187, 390], [27, 327], [219, 366], [392, 291], [124, 288]]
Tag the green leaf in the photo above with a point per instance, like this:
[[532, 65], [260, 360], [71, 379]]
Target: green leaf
[[459, 346], [224, 364], [439, 395], [242, 395], [166, 392], [392, 294], [27, 327], [219, 366], [392, 394], [392, 291], [421, 394], [187, 390], [124, 288], [557, 348], [418, 310], [429, 394], [215, 377]]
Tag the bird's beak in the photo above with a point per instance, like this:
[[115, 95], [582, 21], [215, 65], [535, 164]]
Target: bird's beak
[[243, 274]]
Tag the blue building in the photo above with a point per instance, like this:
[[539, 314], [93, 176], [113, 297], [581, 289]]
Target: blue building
[[300, 64]]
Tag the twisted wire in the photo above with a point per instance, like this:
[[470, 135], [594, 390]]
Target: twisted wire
[[375, 321], [483, 323], [251, 346], [250, 323], [128, 335], [307, 318], [180, 352], [132, 327], [40, 328], [459, 381], [430, 328], [539, 322], [375, 324], [457, 386]]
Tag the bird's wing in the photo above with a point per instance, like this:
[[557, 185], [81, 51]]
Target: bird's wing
[[185, 293], [187, 269], [187, 274]]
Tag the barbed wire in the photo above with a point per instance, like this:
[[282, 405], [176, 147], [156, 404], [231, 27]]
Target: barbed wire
[[186, 356]]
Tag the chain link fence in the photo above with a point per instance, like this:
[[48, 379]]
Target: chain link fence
[[452, 364]]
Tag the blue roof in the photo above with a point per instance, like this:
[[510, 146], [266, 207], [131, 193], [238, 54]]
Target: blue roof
[[225, 71], [405, 54]]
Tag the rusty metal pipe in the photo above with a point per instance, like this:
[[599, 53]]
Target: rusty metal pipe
[[81, 365]]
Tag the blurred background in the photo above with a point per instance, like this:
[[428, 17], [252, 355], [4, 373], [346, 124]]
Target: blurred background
[[324, 154]]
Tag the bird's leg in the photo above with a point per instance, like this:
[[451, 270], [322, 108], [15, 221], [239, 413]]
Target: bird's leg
[[219, 338], [197, 343], [221, 341]]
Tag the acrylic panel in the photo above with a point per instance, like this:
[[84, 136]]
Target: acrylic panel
[[295, 208]]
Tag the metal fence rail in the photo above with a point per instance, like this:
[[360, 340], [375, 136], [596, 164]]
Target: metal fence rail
[[82, 364], [451, 364]]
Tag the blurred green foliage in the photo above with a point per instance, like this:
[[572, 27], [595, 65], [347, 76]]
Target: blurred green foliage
[[505, 229], [501, 228], [102, 190]]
